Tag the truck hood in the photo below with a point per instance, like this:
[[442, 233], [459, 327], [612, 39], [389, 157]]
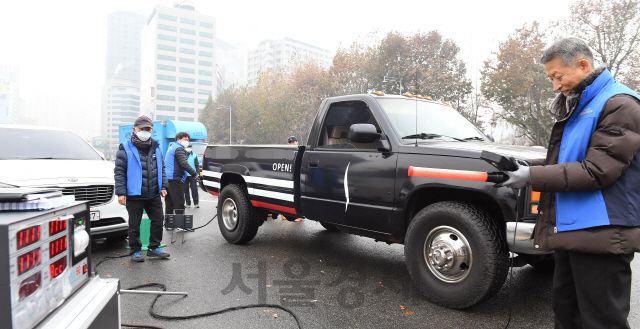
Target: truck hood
[[473, 149], [61, 173]]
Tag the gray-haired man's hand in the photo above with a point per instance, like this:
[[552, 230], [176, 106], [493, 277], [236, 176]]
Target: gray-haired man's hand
[[520, 178]]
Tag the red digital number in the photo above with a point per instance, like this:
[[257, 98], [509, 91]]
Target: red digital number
[[28, 236], [28, 261], [58, 267], [57, 226], [57, 246]]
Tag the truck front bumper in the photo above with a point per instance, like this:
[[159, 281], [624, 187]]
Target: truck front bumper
[[521, 240]]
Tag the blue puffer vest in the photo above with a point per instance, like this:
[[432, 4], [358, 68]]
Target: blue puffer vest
[[614, 205], [134, 169], [173, 168]]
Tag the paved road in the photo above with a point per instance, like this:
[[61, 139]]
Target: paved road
[[330, 280]]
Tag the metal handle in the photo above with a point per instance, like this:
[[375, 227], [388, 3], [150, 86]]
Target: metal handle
[[314, 164]]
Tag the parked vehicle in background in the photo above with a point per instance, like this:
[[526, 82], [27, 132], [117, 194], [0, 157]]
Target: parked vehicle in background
[[34, 156], [357, 174]]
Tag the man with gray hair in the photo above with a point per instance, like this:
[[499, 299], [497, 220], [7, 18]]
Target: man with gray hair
[[589, 209]]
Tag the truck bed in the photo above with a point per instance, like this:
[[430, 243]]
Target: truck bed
[[267, 170]]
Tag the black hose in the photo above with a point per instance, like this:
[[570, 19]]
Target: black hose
[[193, 316]]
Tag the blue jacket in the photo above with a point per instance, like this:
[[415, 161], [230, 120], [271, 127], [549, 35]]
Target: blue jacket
[[137, 174], [617, 204], [177, 163]]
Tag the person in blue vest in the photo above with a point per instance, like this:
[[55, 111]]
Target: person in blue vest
[[141, 182], [589, 209], [190, 182], [177, 169]]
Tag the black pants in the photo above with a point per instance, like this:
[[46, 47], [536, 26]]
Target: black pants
[[175, 196], [191, 183], [591, 291], [153, 207]]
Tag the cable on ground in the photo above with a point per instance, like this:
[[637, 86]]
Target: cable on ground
[[186, 317], [133, 325], [95, 267]]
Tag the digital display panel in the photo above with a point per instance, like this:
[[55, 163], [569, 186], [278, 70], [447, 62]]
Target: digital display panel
[[57, 246], [57, 226], [28, 261], [58, 267], [29, 285], [28, 236]]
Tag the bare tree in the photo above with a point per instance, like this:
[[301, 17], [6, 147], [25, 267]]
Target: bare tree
[[516, 81], [612, 30]]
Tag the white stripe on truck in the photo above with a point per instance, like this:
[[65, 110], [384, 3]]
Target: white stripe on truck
[[256, 180]]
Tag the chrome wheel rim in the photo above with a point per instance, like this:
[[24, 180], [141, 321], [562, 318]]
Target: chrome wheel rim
[[448, 254], [229, 214]]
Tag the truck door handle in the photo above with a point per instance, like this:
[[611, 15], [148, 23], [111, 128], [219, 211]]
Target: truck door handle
[[314, 164]]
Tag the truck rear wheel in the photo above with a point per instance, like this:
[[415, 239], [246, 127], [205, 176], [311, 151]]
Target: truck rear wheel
[[456, 254], [236, 217]]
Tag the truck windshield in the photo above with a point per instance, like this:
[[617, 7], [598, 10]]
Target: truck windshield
[[434, 121], [198, 148], [44, 144]]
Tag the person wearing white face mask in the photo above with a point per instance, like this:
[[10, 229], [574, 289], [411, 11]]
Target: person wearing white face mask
[[190, 182], [177, 169], [140, 182]]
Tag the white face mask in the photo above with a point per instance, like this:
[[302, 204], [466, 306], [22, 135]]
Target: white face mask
[[188, 150], [184, 143], [143, 135]]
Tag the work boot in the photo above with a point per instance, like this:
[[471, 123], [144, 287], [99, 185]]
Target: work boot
[[137, 257], [157, 253]]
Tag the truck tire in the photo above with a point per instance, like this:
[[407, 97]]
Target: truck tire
[[456, 254], [236, 217], [329, 227]]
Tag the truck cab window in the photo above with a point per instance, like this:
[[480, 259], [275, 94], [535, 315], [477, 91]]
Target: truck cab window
[[340, 117]]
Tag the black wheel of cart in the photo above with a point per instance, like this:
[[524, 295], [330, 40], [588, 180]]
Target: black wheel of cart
[[236, 217], [456, 254], [329, 227]]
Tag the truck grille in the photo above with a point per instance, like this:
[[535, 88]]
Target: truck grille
[[96, 195]]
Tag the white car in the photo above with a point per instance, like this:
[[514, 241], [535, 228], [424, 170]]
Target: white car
[[33, 156]]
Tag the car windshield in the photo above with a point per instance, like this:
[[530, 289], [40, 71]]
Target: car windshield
[[23, 144], [425, 120]]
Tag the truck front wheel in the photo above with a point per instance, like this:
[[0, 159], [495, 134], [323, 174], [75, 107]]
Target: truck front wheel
[[456, 254], [236, 217]]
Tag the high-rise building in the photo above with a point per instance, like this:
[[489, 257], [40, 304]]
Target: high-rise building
[[121, 104], [123, 46], [9, 94], [230, 60], [179, 62], [121, 91], [277, 54]]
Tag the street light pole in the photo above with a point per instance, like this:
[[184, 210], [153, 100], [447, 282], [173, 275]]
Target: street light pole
[[392, 79], [224, 108]]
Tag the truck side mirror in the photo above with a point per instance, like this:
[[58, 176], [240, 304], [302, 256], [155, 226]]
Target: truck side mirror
[[363, 133], [384, 146]]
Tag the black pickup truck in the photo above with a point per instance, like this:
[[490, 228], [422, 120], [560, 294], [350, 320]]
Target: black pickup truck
[[357, 175]]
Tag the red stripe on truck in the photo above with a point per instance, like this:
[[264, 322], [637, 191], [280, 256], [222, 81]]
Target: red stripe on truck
[[448, 174], [273, 207]]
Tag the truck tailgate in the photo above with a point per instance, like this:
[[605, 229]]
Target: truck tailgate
[[266, 170]]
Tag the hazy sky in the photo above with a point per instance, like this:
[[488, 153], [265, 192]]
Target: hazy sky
[[60, 45]]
